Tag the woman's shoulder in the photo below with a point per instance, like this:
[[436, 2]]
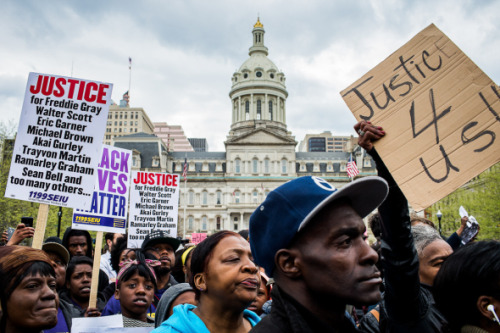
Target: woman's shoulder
[[182, 320]]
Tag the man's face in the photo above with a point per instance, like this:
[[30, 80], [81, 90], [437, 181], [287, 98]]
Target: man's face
[[431, 259], [116, 236], [79, 283], [59, 267], [335, 261], [77, 246], [165, 253]]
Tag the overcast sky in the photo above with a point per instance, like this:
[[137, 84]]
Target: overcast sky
[[184, 52]]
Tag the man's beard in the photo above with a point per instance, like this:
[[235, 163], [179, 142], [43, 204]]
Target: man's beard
[[163, 270]]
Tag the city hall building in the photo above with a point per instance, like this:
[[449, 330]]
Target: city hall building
[[224, 188]]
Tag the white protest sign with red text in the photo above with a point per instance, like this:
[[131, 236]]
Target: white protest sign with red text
[[58, 143], [154, 204]]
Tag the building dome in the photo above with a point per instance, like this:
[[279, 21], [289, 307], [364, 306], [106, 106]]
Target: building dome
[[258, 91]]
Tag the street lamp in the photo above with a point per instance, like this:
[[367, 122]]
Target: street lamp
[[439, 216]]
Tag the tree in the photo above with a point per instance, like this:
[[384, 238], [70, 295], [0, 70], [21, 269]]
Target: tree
[[480, 197]]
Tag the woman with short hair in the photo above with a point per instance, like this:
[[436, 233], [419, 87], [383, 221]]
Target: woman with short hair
[[225, 280], [27, 290]]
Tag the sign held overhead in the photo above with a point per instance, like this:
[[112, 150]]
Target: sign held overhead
[[440, 112]]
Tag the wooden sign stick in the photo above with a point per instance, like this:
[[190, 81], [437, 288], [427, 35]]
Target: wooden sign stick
[[41, 224], [95, 270]]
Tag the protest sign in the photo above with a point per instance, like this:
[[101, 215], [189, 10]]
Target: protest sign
[[109, 205], [154, 204], [440, 113], [59, 140], [198, 237]]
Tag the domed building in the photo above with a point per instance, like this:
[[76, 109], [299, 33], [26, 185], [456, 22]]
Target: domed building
[[224, 188]]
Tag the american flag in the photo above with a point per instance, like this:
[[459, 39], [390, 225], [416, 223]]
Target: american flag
[[185, 171], [352, 169]]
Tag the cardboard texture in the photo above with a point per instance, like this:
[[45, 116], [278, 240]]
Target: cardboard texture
[[441, 114]]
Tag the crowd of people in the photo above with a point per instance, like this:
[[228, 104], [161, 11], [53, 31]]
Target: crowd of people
[[304, 266]]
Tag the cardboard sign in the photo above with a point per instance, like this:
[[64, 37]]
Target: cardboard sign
[[197, 237], [59, 140], [440, 113], [109, 205], [154, 204]]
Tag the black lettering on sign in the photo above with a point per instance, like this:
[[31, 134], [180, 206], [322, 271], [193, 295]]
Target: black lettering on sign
[[434, 120], [362, 98], [466, 140], [495, 114], [448, 167]]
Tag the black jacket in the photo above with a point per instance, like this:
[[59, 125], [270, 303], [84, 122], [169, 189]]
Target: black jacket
[[407, 305], [288, 316]]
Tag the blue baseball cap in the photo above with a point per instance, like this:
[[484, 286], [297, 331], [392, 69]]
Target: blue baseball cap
[[291, 206]]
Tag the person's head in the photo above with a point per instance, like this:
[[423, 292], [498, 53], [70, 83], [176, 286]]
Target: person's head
[[244, 233], [417, 220], [186, 262], [222, 269], [111, 239], [164, 248], [375, 223], [28, 296], [78, 242], [432, 251], [79, 278], [180, 293], [263, 294], [309, 237], [60, 258], [119, 253], [135, 286], [468, 283]]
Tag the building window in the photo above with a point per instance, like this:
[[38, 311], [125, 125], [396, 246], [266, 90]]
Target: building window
[[271, 110], [317, 144], [120, 123], [255, 196], [125, 116], [116, 123], [283, 166], [237, 197], [266, 165], [247, 110], [125, 123], [204, 223], [235, 226], [237, 166], [219, 197], [190, 223], [204, 196], [259, 109], [191, 198], [255, 165], [217, 223]]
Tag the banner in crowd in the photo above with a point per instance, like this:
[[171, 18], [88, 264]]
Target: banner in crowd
[[440, 113], [109, 205], [154, 204], [59, 140], [198, 237]]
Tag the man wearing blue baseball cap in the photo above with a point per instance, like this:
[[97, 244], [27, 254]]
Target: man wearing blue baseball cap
[[309, 236]]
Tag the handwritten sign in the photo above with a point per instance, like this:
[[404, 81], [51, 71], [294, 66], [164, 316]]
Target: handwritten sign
[[154, 204], [109, 205], [198, 237], [59, 140], [440, 113]]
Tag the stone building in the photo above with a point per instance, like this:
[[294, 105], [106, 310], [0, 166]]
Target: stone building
[[224, 188]]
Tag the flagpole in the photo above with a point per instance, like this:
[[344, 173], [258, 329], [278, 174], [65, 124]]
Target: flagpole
[[184, 173], [185, 205], [129, 76]]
